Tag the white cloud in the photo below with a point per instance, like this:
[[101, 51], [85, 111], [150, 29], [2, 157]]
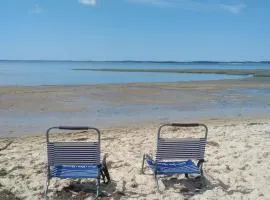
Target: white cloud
[[235, 9], [198, 5], [36, 10], [153, 2], [88, 2]]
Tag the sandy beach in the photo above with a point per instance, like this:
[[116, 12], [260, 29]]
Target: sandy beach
[[237, 165]]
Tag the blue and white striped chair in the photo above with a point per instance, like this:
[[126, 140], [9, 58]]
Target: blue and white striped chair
[[75, 159], [177, 155]]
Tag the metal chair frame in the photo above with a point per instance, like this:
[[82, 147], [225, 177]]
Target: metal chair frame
[[48, 157], [157, 159]]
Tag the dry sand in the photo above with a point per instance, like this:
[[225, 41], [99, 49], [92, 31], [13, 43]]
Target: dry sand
[[237, 154]]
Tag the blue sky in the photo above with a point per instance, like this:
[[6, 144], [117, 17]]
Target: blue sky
[[181, 30]]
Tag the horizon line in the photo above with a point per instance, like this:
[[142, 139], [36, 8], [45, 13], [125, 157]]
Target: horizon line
[[136, 61]]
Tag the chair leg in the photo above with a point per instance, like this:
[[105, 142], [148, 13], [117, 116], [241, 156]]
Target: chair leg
[[98, 185], [142, 171], [46, 188], [156, 178], [200, 165]]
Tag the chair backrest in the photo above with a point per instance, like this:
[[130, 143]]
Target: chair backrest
[[73, 153], [180, 148], [177, 149]]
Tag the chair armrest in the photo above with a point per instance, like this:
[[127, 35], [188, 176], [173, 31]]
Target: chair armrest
[[104, 158], [147, 156]]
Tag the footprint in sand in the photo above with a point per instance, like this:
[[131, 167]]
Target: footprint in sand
[[118, 165], [266, 154], [244, 167], [236, 156], [228, 169], [213, 143], [3, 172]]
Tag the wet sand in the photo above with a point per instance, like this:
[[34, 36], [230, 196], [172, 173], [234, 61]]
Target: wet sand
[[30, 110]]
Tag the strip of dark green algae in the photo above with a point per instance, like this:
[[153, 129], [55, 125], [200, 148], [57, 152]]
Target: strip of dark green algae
[[253, 72]]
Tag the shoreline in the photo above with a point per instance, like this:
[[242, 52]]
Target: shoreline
[[246, 82], [247, 77], [255, 119]]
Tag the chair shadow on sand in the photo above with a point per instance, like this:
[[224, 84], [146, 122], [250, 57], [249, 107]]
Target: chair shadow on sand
[[81, 190], [187, 186], [86, 189]]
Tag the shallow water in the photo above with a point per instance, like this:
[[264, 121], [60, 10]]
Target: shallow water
[[61, 73], [34, 123], [225, 103]]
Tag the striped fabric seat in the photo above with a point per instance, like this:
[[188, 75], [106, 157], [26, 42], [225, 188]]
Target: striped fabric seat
[[182, 167], [175, 155], [74, 159], [172, 151], [75, 171]]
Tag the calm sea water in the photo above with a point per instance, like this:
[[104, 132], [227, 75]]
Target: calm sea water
[[61, 73]]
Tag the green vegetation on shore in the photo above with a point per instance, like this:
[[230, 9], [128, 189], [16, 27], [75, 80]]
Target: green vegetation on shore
[[255, 73]]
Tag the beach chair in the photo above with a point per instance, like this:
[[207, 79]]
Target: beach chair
[[177, 155], [75, 160]]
